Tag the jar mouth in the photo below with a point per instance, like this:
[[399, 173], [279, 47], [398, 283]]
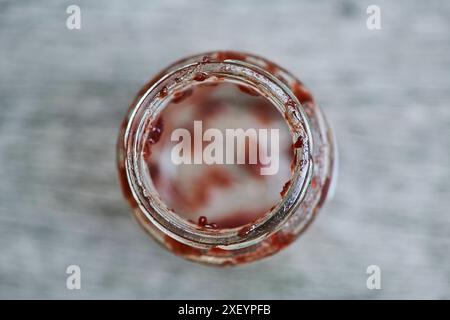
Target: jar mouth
[[180, 78]]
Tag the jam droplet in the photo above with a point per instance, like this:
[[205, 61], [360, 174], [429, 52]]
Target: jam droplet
[[244, 231], [201, 76], [180, 248], [164, 92], [298, 143], [211, 226], [155, 132], [202, 221], [219, 251], [281, 239]]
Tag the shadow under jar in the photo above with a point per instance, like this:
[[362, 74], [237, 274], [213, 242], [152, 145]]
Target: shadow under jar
[[225, 213]]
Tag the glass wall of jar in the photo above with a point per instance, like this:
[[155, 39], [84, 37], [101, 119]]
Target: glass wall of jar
[[225, 213]]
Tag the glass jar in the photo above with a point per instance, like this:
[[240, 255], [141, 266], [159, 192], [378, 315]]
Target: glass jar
[[142, 156]]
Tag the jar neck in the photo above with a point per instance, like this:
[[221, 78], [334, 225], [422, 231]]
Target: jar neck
[[179, 79]]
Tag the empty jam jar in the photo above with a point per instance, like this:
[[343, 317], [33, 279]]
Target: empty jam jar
[[225, 158]]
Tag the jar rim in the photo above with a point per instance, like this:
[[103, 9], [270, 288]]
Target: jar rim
[[178, 76]]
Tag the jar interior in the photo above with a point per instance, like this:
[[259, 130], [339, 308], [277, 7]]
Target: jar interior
[[218, 195]]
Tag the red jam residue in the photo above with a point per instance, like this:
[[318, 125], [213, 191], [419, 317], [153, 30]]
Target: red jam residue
[[230, 55], [154, 134], [201, 76], [302, 94], [155, 131], [248, 90], [285, 188], [181, 95], [298, 143], [181, 248], [164, 92], [203, 222]]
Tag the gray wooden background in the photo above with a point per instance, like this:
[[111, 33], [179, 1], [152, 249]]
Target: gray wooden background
[[63, 94]]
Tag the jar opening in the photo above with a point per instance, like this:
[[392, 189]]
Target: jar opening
[[146, 128]]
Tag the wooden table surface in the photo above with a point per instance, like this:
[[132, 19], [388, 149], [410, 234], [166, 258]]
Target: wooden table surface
[[63, 93]]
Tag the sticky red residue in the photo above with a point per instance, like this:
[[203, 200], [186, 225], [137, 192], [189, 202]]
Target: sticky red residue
[[181, 95], [217, 250], [254, 170], [185, 201], [197, 196], [272, 68], [163, 92], [155, 131], [219, 177], [303, 95], [225, 55], [298, 143], [214, 83], [203, 222], [285, 188], [194, 199], [244, 231], [154, 134], [181, 248], [201, 76], [290, 105], [250, 91], [281, 239], [282, 79]]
